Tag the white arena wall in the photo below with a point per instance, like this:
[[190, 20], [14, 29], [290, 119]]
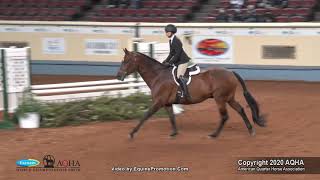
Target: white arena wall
[[262, 51]]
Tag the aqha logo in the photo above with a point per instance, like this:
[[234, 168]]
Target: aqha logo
[[295, 162], [212, 47], [68, 163]]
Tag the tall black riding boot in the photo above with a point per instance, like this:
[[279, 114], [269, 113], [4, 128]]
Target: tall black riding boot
[[183, 85]]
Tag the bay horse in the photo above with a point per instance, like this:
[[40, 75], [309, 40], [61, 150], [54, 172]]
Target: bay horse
[[217, 83]]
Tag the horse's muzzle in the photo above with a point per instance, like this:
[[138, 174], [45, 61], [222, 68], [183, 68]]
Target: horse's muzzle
[[121, 76]]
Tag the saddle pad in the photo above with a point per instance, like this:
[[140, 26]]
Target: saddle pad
[[191, 70]]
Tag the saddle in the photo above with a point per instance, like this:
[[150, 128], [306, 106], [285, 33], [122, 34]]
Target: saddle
[[191, 70]]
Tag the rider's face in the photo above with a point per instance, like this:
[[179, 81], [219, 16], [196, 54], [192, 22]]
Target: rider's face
[[169, 34]]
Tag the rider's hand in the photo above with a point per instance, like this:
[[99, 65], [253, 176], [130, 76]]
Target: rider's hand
[[166, 63]]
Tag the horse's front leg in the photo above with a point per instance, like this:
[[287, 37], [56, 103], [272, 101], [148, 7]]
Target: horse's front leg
[[153, 109], [170, 112]]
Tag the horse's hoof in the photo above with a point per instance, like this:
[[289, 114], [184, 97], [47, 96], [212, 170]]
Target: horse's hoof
[[173, 134], [252, 132], [213, 135], [131, 136]]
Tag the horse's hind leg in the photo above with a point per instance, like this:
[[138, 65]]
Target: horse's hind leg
[[223, 115], [236, 106], [169, 110]]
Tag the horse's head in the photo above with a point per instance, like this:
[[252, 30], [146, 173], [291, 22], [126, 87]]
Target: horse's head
[[128, 65]]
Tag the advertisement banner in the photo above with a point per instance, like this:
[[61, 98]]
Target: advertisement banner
[[101, 46], [212, 49], [53, 45]]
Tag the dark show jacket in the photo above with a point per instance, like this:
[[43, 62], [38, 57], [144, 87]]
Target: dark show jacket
[[177, 55]]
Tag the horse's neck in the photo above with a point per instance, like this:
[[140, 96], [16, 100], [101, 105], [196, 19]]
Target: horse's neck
[[149, 70]]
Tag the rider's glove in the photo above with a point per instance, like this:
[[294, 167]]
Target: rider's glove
[[166, 63]]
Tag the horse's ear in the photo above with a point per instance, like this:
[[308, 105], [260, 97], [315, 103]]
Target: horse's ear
[[126, 51]]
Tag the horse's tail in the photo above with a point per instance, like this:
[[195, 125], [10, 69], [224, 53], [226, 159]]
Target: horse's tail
[[257, 118]]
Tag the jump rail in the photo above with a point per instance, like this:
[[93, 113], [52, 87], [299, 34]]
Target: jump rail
[[75, 84], [79, 90]]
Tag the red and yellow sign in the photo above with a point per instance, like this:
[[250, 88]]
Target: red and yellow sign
[[212, 47]]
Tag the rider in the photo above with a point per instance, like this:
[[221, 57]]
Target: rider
[[178, 57]]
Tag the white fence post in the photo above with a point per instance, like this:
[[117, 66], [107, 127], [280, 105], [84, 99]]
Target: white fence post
[[15, 70]]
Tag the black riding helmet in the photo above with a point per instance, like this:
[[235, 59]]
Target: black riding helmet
[[170, 28]]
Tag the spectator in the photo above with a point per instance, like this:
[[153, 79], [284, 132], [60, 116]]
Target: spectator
[[272, 3], [279, 3], [222, 16], [263, 4], [135, 4], [251, 15], [236, 17], [236, 4], [113, 3], [268, 17], [124, 3]]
